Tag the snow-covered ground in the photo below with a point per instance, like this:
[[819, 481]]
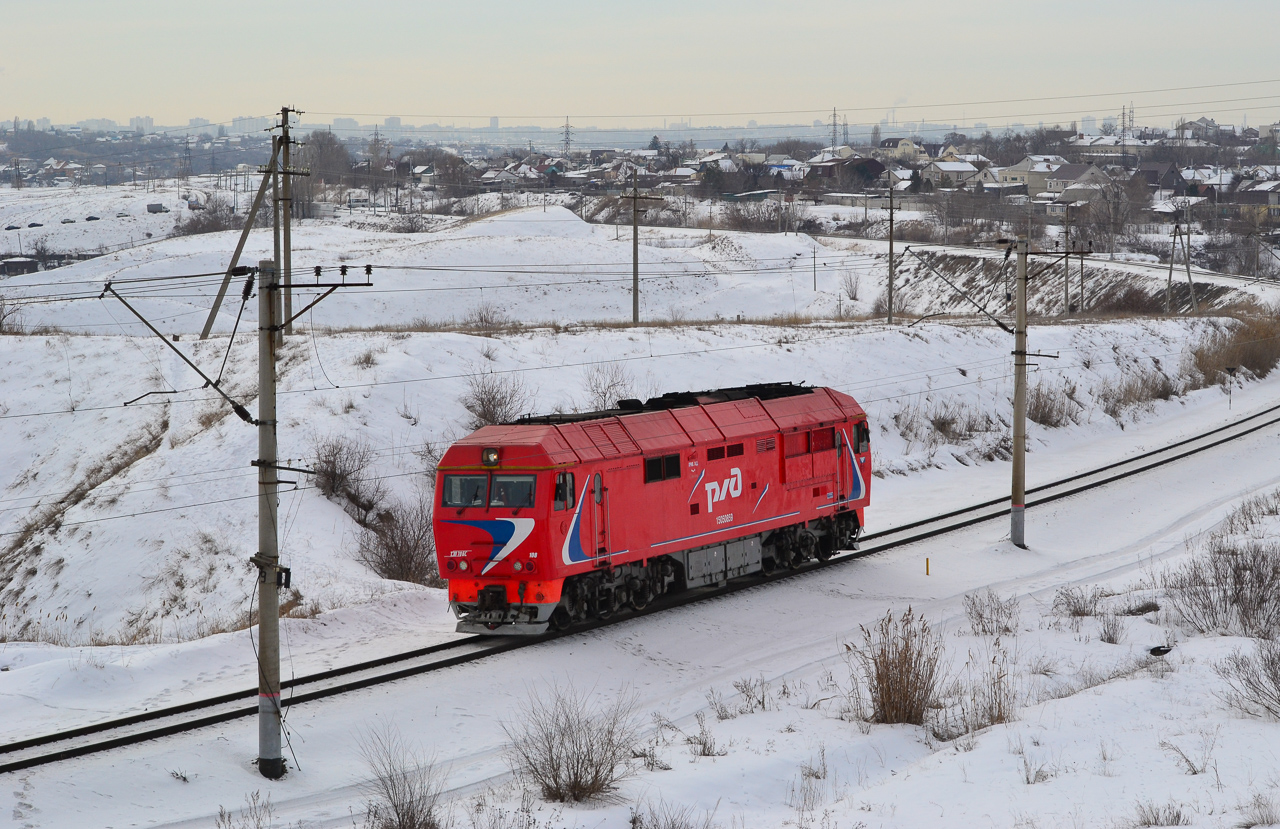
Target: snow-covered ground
[[133, 525]]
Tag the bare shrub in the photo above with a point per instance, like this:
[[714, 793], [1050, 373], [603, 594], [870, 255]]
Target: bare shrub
[[1251, 344], [486, 317], [1229, 587], [365, 359], [986, 697], [1076, 601], [1151, 814], [1251, 513], [406, 787], [1194, 764], [342, 472], [850, 285], [1111, 629], [573, 748], [400, 544], [1254, 680], [722, 709], [1052, 405], [257, 813], [10, 316], [493, 398], [1132, 389], [755, 694], [901, 665], [989, 615], [703, 744], [662, 815], [486, 815], [606, 384], [1260, 811], [217, 215]]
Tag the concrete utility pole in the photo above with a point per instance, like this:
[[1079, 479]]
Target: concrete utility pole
[[1168, 288], [890, 318], [270, 758], [1017, 513], [286, 249], [635, 247]]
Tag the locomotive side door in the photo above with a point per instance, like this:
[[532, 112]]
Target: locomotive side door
[[600, 516]]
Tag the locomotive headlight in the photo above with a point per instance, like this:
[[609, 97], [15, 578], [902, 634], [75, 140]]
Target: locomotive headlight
[[462, 565], [451, 564], [517, 567], [489, 456]]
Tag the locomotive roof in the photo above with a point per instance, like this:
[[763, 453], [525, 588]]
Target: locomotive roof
[[673, 400]]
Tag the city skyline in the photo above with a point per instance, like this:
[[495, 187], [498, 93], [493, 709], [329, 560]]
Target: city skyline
[[715, 64]]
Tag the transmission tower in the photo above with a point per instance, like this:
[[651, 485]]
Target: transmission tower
[[568, 137], [186, 168], [846, 131], [833, 130]]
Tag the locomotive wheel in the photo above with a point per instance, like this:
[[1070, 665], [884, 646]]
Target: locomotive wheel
[[826, 547], [560, 618], [768, 566], [640, 596], [806, 546]]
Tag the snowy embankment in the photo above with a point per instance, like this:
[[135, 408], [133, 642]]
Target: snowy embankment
[[134, 525]]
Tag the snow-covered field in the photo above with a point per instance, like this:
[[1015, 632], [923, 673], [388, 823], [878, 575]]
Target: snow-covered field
[[132, 526]]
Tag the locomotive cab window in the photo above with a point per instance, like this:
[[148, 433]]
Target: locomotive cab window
[[565, 491], [863, 437], [464, 490], [514, 491], [661, 469]]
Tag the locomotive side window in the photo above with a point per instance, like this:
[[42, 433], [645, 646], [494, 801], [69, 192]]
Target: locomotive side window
[[464, 490], [661, 469], [863, 437], [820, 440], [795, 443], [513, 491], [565, 491]]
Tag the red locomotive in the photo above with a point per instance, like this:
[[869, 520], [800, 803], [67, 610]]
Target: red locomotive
[[555, 519]]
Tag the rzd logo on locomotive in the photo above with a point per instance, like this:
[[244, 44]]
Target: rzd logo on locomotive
[[730, 487]]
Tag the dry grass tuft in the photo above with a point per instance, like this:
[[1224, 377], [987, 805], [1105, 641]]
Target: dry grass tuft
[[901, 665], [989, 615]]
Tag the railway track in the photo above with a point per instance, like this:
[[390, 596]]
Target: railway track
[[162, 722]]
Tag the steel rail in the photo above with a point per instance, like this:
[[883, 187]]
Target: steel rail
[[888, 539]]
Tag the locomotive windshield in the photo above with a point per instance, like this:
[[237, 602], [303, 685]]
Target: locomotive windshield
[[512, 491], [465, 490]]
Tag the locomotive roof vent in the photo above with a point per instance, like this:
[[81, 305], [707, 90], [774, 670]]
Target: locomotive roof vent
[[676, 400]]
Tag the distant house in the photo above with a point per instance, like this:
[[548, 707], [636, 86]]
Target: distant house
[[17, 265], [1161, 175], [903, 149], [1066, 175], [954, 172], [1033, 172]]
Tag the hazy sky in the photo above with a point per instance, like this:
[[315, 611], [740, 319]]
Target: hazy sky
[[634, 64]]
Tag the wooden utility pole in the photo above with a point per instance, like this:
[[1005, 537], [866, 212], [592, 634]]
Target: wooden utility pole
[[1018, 496]]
